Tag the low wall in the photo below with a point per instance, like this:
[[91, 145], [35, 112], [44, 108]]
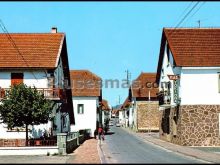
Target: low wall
[[29, 150], [66, 143]]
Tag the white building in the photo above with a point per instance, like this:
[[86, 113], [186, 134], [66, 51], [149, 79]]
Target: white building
[[143, 110], [124, 113], [40, 60], [188, 74], [105, 112], [87, 97]]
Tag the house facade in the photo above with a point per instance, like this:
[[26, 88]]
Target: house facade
[[38, 60], [188, 75], [124, 113], [144, 111], [87, 98], [105, 112]]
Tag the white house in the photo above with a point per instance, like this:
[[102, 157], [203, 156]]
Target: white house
[[188, 74], [143, 111], [124, 113], [87, 97], [105, 112], [40, 60]]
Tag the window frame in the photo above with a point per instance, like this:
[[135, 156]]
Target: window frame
[[78, 108]]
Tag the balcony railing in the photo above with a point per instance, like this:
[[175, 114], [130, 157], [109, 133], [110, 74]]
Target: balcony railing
[[164, 98], [52, 94]]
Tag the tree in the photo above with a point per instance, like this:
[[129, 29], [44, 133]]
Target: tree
[[24, 106]]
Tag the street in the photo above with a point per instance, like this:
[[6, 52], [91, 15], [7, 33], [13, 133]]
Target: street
[[121, 147]]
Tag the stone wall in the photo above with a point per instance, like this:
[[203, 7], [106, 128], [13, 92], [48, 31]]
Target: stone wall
[[12, 142], [147, 116], [196, 125]]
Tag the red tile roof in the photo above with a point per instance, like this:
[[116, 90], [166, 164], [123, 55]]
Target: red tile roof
[[194, 46], [85, 83], [105, 105], [39, 50], [140, 88], [126, 103]]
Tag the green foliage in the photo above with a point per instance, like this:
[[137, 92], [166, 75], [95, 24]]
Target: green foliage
[[25, 106]]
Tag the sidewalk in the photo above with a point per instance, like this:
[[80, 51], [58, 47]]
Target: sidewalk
[[86, 153], [199, 154]]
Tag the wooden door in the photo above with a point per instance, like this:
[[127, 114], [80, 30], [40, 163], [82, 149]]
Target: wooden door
[[16, 78]]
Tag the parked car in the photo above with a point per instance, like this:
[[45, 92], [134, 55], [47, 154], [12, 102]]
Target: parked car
[[110, 123], [118, 124]]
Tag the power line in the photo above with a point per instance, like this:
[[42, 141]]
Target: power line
[[14, 44], [174, 30], [187, 14], [196, 12], [185, 9]]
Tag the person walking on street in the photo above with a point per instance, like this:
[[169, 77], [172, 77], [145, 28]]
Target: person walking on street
[[101, 133]]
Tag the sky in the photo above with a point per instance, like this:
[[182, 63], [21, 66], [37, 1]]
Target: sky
[[109, 38]]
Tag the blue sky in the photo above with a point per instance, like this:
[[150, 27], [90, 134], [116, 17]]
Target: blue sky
[[108, 38]]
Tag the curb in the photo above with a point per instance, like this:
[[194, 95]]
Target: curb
[[207, 158], [101, 154]]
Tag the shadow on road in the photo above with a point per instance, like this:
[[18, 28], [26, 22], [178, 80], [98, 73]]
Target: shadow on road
[[109, 133]]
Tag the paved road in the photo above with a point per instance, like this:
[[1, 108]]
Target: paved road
[[121, 147]]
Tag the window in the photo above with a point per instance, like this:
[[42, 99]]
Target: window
[[80, 108], [16, 78]]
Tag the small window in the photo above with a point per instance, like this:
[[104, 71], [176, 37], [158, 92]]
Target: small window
[[80, 108]]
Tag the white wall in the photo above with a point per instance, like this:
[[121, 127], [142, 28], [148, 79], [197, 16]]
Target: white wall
[[168, 69], [199, 86], [39, 82], [88, 119], [29, 150], [121, 116], [38, 79]]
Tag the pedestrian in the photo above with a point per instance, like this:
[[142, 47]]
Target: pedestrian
[[101, 133]]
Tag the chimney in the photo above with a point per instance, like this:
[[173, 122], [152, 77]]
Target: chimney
[[54, 30]]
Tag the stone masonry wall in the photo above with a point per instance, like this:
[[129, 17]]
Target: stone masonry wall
[[147, 116], [196, 125], [200, 125]]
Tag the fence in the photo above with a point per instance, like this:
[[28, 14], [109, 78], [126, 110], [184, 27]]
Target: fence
[[63, 144], [67, 142]]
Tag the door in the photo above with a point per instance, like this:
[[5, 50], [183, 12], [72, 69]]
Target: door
[[16, 78]]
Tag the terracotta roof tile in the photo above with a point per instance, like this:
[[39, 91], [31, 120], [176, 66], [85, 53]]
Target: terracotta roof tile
[[141, 89], [85, 83], [105, 105], [37, 49], [126, 103], [194, 46]]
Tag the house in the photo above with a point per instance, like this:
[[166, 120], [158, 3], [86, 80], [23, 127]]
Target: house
[[124, 113], [105, 115], [188, 75], [87, 98], [105, 112], [144, 112], [40, 60]]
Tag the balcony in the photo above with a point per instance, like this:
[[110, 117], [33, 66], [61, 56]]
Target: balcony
[[51, 94], [164, 98]]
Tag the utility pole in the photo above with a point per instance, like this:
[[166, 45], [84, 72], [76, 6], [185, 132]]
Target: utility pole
[[128, 76], [119, 99]]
